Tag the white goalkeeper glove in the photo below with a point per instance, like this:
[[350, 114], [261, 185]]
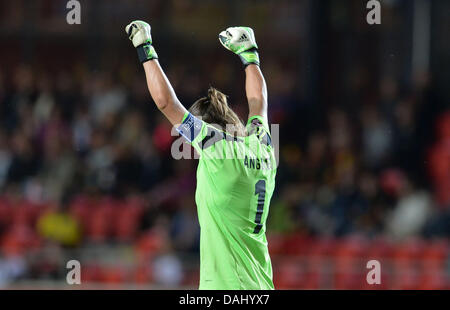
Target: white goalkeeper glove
[[242, 42], [139, 33]]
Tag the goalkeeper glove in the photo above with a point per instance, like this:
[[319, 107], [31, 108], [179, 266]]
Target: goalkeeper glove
[[139, 33], [241, 41]]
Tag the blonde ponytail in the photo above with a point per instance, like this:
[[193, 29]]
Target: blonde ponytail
[[214, 110]]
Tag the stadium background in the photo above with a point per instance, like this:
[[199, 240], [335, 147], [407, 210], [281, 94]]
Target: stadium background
[[85, 165]]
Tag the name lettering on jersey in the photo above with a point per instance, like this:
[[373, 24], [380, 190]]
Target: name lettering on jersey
[[257, 163]]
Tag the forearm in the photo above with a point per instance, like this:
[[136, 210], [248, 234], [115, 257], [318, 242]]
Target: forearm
[[158, 84], [162, 92], [256, 90]]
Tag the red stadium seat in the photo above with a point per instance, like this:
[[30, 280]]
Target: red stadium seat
[[324, 247], [297, 244], [149, 244], [290, 274], [99, 225], [434, 260], [90, 273], [18, 239], [191, 278], [350, 263], [5, 212], [127, 217], [407, 270], [435, 254], [113, 274], [143, 274], [26, 213], [100, 222], [379, 249], [275, 243], [80, 208], [434, 280]]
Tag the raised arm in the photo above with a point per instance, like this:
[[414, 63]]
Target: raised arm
[[157, 82], [163, 93], [256, 91], [242, 42]]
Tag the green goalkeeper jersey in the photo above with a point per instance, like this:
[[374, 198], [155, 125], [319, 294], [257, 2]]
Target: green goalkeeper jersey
[[235, 182]]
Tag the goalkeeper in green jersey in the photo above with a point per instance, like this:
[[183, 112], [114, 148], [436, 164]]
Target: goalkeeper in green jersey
[[236, 169]]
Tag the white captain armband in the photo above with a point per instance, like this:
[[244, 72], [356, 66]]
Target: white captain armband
[[190, 128]]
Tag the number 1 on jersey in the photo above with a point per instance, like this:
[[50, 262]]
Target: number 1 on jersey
[[260, 190]]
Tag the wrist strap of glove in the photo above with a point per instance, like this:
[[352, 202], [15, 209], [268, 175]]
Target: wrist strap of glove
[[249, 57], [146, 52]]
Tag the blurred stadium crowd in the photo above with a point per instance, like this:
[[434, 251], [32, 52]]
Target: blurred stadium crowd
[[86, 170]]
